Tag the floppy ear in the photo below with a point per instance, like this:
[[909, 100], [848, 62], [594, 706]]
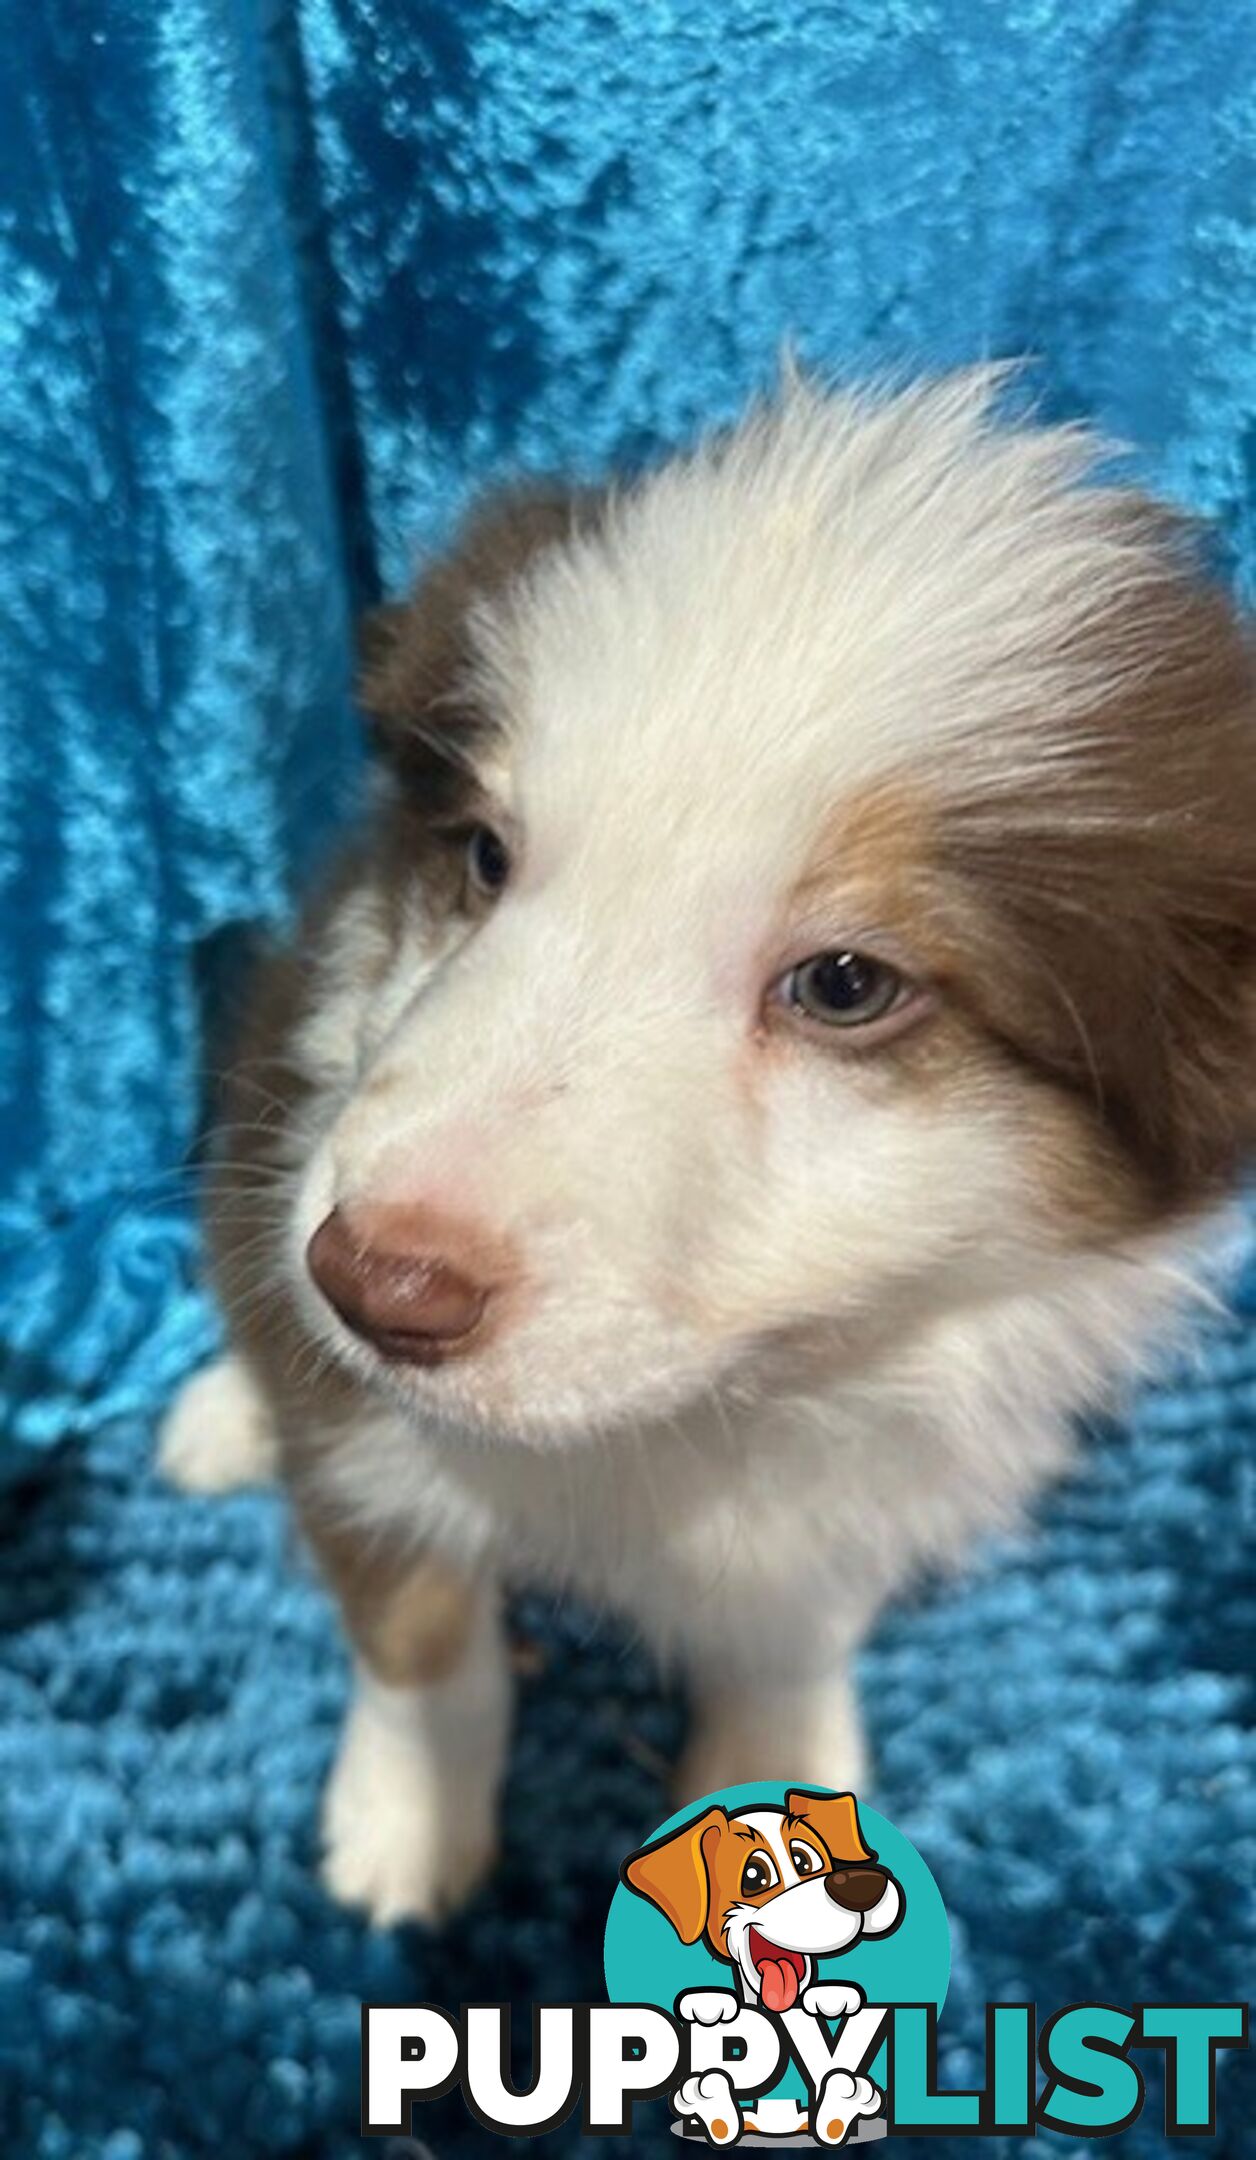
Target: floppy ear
[[378, 633], [1107, 893], [836, 1818], [414, 653], [673, 1874]]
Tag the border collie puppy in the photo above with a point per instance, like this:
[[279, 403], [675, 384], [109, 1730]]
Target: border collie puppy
[[773, 1054]]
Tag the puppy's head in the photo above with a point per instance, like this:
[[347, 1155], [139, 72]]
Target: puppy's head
[[770, 1889], [810, 892]]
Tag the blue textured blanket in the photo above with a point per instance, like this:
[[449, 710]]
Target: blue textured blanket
[[280, 280]]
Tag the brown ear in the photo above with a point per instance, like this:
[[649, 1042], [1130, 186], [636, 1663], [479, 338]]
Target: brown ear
[[673, 1874], [414, 653], [836, 1818], [378, 632], [1100, 906]]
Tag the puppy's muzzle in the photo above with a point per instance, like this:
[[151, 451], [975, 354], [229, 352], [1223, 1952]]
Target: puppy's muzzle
[[401, 1293], [856, 1889]]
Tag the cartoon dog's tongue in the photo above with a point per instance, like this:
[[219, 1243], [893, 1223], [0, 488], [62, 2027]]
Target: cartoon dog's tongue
[[780, 1972]]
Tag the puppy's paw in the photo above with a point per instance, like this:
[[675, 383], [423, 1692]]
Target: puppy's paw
[[712, 2100], [832, 1999], [708, 2006], [842, 2101], [218, 1434], [397, 1846]]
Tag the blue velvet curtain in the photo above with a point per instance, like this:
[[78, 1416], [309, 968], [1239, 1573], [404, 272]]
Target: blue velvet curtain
[[281, 280]]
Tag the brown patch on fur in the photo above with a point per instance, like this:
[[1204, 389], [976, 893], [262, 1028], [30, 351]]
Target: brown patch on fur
[[408, 1616], [1092, 912], [875, 863], [1107, 903], [417, 654], [869, 853], [415, 688]]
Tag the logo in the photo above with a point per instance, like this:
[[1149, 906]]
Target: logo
[[777, 1925], [776, 1958]]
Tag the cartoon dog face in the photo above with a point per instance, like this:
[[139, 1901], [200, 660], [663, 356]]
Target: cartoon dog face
[[770, 1889]]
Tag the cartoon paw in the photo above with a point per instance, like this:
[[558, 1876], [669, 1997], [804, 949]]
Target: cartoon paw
[[708, 2006], [832, 1999], [711, 2098], [842, 2100]]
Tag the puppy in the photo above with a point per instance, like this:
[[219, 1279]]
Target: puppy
[[772, 1055]]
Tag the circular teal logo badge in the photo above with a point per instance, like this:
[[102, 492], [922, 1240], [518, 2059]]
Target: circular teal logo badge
[[774, 1921]]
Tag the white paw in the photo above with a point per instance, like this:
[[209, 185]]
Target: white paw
[[398, 1844], [218, 1432], [711, 2098], [842, 2100], [708, 2006], [832, 1999]]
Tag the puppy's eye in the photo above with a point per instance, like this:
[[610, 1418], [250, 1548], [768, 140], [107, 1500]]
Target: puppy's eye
[[758, 1875], [805, 1859], [488, 862], [843, 989]]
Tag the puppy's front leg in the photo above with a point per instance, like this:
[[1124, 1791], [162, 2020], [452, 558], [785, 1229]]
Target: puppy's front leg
[[410, 1814], [800, 1725]]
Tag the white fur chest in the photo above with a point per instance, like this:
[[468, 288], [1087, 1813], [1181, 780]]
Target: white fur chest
[[732, 1520], [709, 1528]]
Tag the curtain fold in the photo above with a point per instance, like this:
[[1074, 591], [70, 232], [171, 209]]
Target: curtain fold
[[281, 280]]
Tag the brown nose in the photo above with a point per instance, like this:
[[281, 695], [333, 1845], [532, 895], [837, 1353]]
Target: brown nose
[[404, 1297], [856, 1888]]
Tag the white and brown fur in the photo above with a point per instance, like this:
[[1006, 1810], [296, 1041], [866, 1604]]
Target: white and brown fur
[[778, 1312]]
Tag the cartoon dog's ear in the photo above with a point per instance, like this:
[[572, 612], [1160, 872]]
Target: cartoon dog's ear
[[836, 1818], [673, 1873]]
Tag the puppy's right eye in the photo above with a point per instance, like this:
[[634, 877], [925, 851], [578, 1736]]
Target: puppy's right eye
[[488, 862], [758, 1875], [843, 989]]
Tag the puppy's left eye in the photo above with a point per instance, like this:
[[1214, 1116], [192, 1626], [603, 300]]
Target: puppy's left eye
[[843, 989], [805, 1859], [488, 862]]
